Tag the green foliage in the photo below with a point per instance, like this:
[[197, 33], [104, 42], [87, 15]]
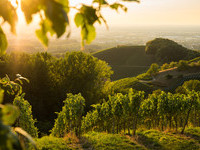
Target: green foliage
[[119, 112], [144, 76], [85, 19], [25, 120], [51, 78], [154, 69], [9, 14], [166, 110], [3, 42], [192, 85], [168, 66], [69, 119], [10, 87], [181, 90], [9, 140], [103, 141], [182, 65], [79, 72]]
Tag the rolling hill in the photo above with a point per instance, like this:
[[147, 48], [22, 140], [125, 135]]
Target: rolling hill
[[126, 61], [167, 80]]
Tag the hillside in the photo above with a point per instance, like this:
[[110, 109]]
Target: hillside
[[145, 140], [166, 79], [130, 61], [126, 61], [177, 78]]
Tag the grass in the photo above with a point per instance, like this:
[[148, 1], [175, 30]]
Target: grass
[[144, 140], [103, 141], [156, 140], [193, 133], [52, 143], [123, 85]]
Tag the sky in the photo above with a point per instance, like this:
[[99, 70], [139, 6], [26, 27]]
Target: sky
[[145, 13], [158, 12]]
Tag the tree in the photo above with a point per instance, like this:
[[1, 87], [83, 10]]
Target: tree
[[183, 65], [153, 70], [54, 19], [81, 73], [153, 46], [191, 85]]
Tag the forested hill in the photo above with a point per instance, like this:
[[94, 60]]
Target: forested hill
[[126, 61], [129, 61]]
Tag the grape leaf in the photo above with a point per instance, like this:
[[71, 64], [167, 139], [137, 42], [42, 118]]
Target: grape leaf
[[79, 19], [1, 95], [29, 8], [10, 114], [58, 16], [3, 42], [8, 13]]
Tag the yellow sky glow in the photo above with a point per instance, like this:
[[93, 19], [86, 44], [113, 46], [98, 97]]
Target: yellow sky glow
[[148, 12]]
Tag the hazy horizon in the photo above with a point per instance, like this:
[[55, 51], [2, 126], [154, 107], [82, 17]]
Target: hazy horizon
[[177, 20], [145, 13]]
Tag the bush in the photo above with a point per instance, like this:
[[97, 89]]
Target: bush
[[192, 85], [153, 70], [182, 65]]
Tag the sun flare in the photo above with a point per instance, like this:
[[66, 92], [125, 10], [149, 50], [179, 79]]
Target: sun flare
[[17, 4]]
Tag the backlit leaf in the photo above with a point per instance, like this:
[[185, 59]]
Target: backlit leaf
[[1, 95], [10, 114], [58, 16], [3, 42], [91, 34], [8, 12], [30, 9], [79, 19]]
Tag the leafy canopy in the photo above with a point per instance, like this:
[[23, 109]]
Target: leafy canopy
[[54, 17]]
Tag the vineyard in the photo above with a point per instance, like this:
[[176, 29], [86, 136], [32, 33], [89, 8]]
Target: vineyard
[[179, 82], [128, 117], [120, 114], [159, 110]]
